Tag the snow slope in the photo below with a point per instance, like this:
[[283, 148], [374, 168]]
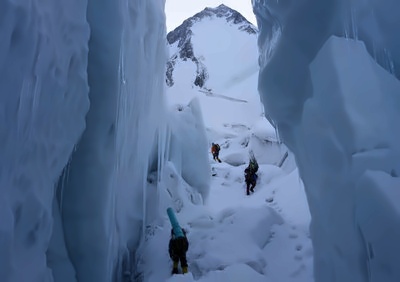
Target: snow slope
[[233, 237]]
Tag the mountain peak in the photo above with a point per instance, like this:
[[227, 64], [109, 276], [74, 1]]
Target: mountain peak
[[182, 36], [222, 11], [223, 6], [220, 8]]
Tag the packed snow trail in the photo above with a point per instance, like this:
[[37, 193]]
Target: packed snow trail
[[234, 237]]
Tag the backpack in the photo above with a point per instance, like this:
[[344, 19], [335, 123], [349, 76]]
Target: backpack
[[215, 148], [253, 165], [178, 246]]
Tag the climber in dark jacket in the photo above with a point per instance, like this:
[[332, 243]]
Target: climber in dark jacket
[[250, 175], [178, 247], [251, 179]]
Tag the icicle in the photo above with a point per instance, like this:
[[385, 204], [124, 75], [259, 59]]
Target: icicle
[[389, 61], [354, 27], [63, 182]]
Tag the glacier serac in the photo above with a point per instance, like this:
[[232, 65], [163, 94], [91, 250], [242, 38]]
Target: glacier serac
[[84, 136], [43, 103], [329, 82]]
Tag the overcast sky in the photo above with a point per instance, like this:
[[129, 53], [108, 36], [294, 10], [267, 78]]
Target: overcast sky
[[179, 10]]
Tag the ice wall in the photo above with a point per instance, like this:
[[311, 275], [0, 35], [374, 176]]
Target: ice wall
[[104, 198], [337, 110], [43, 103], [353, 112], [79, 184], [188, 147]]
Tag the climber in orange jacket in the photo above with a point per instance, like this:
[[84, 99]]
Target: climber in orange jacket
[[215, 148]]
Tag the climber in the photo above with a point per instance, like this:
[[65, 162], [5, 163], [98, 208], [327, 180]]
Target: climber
[[250, 175], [251, 180], [253, 165], [178, 247], [215, 151]]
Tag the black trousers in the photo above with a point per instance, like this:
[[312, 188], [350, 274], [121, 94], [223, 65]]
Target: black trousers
[[177, 250], [181, 258], [250, 186]]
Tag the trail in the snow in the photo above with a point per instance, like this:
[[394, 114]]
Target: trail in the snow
[[286, 253], [261, 237], [234, 237]]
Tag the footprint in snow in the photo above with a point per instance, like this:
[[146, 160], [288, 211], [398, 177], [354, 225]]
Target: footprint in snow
[[269, 200]]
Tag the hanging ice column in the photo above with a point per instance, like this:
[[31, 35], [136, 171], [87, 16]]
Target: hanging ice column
[[337, 110], [103, 200]]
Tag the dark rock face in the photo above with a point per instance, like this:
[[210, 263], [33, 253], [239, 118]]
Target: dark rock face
[[170, 68], [183, 34]]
